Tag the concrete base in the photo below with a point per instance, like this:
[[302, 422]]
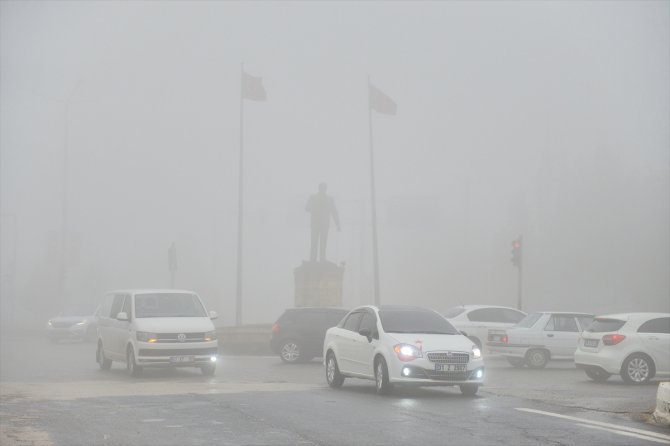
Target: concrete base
[[318, 284], [662, 412]]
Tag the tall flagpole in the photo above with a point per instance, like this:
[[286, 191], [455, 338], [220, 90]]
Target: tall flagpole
[[375, 254], [240, 208]]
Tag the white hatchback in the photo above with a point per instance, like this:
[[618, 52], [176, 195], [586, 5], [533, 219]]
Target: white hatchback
[[401, 345], [633, 345], [156, 328]]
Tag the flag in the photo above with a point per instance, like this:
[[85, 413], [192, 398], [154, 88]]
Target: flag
[[252, 88], [380, 102]]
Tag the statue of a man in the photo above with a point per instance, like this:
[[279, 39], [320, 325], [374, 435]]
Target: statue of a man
[[322, 208]]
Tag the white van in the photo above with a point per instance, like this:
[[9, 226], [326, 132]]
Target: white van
[[156, 328]]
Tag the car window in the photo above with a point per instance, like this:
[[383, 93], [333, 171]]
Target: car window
[[168, 305], [659, 325], [604, 325], [453, 312], [561, 323], [352, 321], [529, 320], [127, 307], [116, 305], [513, 316], [486, 315], [106, 306], [415, 321], [369, 321], [584, 321]]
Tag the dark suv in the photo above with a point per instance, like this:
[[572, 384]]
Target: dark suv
[[298, 334]]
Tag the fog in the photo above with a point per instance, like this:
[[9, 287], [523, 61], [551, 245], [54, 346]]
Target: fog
[[548, 120]]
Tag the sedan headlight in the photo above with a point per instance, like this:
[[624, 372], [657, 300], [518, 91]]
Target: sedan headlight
[[144, 336], [476, 352], [407, 352], [80, 323], [210, 336]]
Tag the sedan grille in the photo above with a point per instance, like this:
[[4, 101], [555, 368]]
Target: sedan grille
[[448, 357]]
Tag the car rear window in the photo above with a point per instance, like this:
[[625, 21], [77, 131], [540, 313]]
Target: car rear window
[[453, 312], [603, 325], [410, 321]]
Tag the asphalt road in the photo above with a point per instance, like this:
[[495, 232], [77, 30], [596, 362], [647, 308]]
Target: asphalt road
[[55, 395]]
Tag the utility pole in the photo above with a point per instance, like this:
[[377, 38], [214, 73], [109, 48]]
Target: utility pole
[[517, 260]]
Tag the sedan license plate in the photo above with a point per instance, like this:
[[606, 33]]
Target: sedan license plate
[[450, 367], [590, 342], [181, 359]]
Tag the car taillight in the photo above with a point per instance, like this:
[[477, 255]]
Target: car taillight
[[613, 339], [275, 328], [504, 339]]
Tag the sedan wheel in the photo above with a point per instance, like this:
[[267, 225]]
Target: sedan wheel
[[637, 369], [537, 359], [333, 375], [290, 352], [382, 377]]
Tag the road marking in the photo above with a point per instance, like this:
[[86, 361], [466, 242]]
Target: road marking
[[599, 423], [628, 434], [153, 420]]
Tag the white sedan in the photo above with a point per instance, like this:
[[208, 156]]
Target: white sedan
[[633, 345], [401, 345], [540, 337], [476, 320]]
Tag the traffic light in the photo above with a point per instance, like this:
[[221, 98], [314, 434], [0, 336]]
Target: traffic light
[[516, 252]]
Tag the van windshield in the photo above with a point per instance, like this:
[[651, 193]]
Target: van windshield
[[168, 305]]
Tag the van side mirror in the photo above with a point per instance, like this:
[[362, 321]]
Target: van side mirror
[[122, 316], [213, 314]]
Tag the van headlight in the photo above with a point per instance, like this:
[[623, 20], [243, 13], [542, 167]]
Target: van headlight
[[476, 352], [144, 336], [210, 336]]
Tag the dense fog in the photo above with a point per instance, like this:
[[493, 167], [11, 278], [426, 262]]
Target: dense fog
[[120, 135]]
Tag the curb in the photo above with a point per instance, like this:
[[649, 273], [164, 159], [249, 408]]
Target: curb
[[662, 413]]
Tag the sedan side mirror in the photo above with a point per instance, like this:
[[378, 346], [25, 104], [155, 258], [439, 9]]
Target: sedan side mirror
[[213, 314], [122, 316], [366, 332]]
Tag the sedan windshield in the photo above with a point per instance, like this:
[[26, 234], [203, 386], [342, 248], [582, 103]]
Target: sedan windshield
[[415, 321], [168, 305]]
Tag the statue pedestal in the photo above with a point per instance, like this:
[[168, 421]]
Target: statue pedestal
[[318, 284]]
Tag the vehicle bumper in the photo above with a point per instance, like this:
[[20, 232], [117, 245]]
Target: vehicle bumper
[[422, 372], [73, 331], [602, 360], [516, 351], [177, 355]]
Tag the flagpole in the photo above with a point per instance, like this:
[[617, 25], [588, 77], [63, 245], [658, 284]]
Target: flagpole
[[375, 253], [240, 208]]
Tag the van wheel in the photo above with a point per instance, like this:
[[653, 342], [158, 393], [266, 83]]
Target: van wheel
[[333, 376], [104, 363], [537, 359], [290, 351], [382, 383], [208, 370], [131, 366]]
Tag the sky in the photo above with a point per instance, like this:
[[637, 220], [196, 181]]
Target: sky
[[548, 120]]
